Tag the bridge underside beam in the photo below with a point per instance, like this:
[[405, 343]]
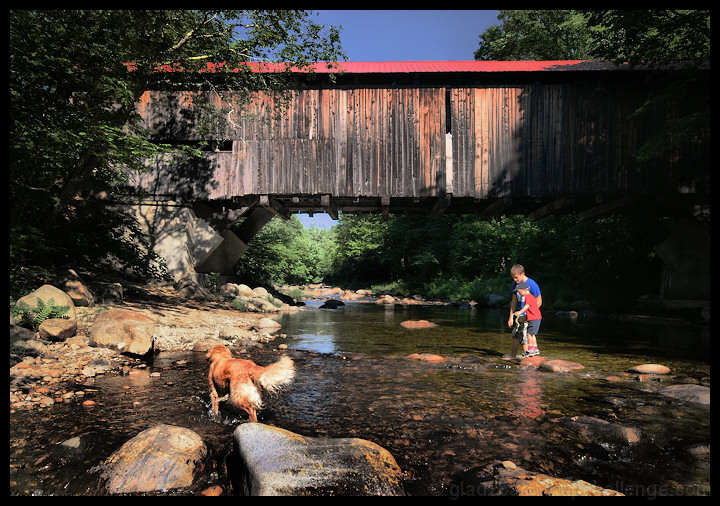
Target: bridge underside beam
[[587, 206]]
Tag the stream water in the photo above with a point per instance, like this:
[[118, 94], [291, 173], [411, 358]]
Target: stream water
[[439, 420]]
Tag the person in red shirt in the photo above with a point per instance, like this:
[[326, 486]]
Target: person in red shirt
[[534, 318]]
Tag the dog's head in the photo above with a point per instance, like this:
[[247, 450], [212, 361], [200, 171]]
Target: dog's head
[[218, 352]]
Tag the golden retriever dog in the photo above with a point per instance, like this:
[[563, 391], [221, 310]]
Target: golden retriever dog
[[243, 380]]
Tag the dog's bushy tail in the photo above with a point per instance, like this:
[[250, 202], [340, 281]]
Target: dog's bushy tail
[[277, 375]]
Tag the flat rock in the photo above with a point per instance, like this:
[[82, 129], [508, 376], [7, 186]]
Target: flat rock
[[696, 395], [534, 361], [507, 479], [159, 458], [650, 369], [557, 365], [418, 324], [426, 357], [277, 462]]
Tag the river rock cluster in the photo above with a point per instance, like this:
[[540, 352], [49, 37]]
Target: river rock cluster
[[48, 364]]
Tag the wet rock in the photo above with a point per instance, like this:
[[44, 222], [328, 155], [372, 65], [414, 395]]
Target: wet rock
[[700, 452], [535, 361], [160, 458], [595, 429], [426, 357], [557, 365], [505, 478], [275, 461], [332, 304], [694, 395], [418, 324], [57, 329], [386, 299], [212, 491], [650, 369], [123, 331], [97, 366], [79, 447], [267, 324]]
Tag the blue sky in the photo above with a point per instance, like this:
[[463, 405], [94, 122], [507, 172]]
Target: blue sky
[[403, 35]]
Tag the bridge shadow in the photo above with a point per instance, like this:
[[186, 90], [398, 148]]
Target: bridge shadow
[[180, 120]]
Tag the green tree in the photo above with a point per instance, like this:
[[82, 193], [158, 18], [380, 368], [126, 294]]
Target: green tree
[[284, 252], [650, 37], [637, 36], [73, 130], [536, 35], [360, 255]]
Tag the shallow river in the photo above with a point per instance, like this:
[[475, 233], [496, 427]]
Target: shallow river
[[439, 420]]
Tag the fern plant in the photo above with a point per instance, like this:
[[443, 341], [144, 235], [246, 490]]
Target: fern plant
[[34, 316]]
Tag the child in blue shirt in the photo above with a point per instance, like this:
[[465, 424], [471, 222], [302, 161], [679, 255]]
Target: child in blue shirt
[[517, 272]]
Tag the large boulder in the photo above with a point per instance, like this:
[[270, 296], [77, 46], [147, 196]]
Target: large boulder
[[159, 458], [50, 295], [278, 462], [123, 331]]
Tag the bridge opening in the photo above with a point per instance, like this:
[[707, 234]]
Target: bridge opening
[[322, 220]]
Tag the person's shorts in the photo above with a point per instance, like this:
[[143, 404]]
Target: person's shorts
[[533, 327], [519, 330]]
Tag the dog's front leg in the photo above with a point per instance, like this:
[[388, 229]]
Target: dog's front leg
[[214, 400]]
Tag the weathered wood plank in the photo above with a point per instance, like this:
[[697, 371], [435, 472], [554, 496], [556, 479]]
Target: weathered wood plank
[[540, 140]]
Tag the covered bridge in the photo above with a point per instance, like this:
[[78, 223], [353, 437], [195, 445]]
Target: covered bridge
[[531, 137]]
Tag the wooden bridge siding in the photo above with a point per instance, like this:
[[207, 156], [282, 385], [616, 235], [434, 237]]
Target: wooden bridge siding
[[343, 142], [533, 140], [545, 141]]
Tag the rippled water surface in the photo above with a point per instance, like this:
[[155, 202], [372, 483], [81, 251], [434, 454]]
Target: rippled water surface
[[439, 420]]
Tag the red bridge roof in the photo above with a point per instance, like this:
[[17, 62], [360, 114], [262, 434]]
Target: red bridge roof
[[405, 67], [402, 67]]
